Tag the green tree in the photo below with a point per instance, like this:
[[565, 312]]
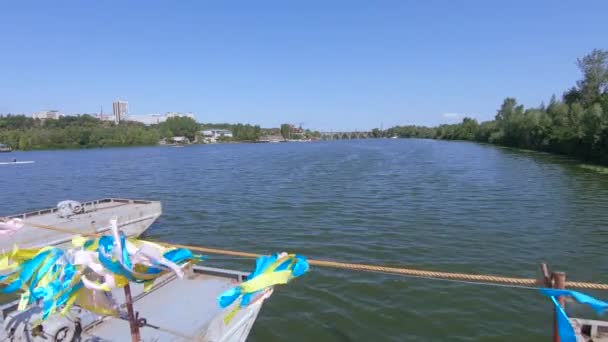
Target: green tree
[[467, 129], [576, 125], [285, 131], [179, 126], [24, 143], [594, 67], [246, 132]]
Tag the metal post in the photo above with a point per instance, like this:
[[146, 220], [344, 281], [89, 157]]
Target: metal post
[[559, 282], [547, 281], [544, 269], [133, 324]]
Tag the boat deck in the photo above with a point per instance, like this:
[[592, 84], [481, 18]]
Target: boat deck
[[174, 310], [589, 330], [182, 310], [134, 217]]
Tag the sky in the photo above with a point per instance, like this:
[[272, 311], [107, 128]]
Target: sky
[[329, 65]]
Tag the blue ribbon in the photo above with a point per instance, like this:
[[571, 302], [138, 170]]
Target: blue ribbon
[[564, 328], [27, 270], [599, 306], [566, 332]]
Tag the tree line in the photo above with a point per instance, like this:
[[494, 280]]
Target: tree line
[[240, 132], [575, 124], [85, 131]]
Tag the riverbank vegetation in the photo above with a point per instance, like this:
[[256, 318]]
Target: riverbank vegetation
[[575, 124], [85, 131], [240, 132]]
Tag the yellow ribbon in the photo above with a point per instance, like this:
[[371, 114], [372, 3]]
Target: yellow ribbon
[[269, 277], [266, 280]]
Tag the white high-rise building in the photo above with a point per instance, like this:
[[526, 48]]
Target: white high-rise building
[[120, 110]]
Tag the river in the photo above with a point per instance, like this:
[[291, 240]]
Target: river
[[451, 206]]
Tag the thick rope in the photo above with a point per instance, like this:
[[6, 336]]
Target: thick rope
[[409, 271], [482, 278]]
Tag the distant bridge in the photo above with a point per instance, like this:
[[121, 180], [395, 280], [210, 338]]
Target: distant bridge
[[346, 135]]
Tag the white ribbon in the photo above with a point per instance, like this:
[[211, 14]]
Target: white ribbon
[[11, 226]]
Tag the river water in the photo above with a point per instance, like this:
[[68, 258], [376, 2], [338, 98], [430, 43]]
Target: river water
[[451, 206]]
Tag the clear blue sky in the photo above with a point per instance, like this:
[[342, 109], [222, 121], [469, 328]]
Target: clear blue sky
[[329, 64]]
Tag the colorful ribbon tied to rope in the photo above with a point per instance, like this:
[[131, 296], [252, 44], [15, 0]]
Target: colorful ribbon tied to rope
[[85, 275], [43, 275], [566, 332], [270, 270], [118, 260]]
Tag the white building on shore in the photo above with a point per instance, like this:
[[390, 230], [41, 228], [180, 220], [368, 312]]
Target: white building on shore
[[213, 135], [48, 114], [155, 119], [148, 119]]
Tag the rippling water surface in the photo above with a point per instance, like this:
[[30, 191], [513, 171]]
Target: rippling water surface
[[450, 206]]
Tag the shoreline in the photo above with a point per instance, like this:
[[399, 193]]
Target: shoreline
[[586, 164], [70, 148]]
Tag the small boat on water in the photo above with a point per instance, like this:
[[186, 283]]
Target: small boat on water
[[5, 148], [171, 310], [17, 162]]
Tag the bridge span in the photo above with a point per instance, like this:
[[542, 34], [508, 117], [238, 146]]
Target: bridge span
[[346, 135]]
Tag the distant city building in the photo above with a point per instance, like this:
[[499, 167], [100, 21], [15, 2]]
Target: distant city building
[[154, 119], [48, 114], [149, 119], [120, 110], [212, 135], [293, 130], [180, 115]]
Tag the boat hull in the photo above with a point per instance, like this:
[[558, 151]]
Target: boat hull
[[174, 309], [134, 217]]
